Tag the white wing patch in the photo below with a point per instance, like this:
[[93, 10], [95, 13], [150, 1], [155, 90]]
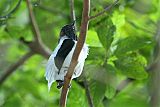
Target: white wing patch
[[81, 60], [52, 71]]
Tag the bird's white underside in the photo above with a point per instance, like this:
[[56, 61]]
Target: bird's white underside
[[52, 71]]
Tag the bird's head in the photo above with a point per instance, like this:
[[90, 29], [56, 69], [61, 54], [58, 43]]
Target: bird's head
[[69, 31]]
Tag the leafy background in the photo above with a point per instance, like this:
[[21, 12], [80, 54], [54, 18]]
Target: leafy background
[[121, 46]]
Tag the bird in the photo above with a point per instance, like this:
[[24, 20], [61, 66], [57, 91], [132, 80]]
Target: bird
[[60, 59]]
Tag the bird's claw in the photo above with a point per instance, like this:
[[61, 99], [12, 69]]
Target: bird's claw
[[60, 84]]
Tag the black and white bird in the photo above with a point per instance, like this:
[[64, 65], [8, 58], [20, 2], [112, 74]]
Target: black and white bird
[[60, 59]]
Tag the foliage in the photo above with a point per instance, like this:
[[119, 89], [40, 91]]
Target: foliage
[[120, 41]]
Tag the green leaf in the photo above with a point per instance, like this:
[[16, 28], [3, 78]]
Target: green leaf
[[118, 19], [97, 83], [132, 65], [131, 43], [97, 89], [28, 84], [96, 53], [110, 92], [77, 96], [14, 101], [105, 31], [128, 101], [3, 35], [18, 52], [111, 81], [92, 39]]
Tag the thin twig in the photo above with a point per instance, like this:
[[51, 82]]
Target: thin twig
[[105, 10], [72, 13], [13, 67], [85, 82], [80, 43], [37, 45], [35, 28], [123, 84]]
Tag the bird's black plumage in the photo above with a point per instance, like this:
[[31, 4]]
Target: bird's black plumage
[[63, 51], [69, 31]]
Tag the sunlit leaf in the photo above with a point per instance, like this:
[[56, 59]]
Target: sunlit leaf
[[132, 65], [105, 30], [131, 43], [92, 39], [110, 92]]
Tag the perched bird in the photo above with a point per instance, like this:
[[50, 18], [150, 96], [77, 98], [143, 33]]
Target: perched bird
[[60, 59]]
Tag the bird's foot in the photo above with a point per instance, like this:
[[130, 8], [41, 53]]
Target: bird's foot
[[60, 83]]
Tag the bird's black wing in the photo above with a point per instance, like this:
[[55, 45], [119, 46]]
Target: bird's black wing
[[63, 51]]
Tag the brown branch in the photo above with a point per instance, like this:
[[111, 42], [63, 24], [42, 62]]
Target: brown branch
[[72, 11], [13, 67], [80, 43], [35, 28], [73, 18], [105, 10], [37, 45], [85, 82], [155, 74], [123, 84]]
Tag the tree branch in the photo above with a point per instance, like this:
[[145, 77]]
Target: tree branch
[[73, 18], [35, 28], [123, 84], [13, 67], [105, 10], [37, 45], [79, 46], [155, 74], [85, 82], [72, 13]]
